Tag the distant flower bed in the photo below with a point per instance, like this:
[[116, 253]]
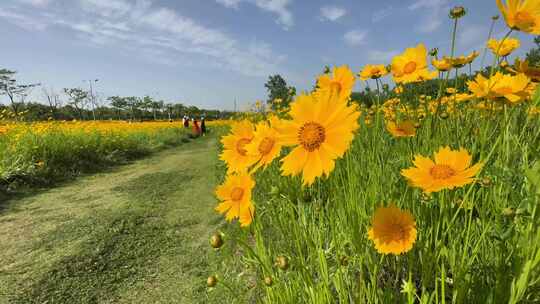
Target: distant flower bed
[[45, 151]]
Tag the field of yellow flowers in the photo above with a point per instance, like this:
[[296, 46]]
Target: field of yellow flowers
[[416, 199], [46, 151]]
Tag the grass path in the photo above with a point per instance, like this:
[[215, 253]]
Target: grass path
[[136, 234]]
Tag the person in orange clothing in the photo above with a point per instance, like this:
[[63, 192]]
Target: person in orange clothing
[[196, 128]]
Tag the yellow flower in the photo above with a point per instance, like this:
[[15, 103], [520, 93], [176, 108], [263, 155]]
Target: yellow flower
[[513, 88], [373, 72], [392, 231], [522, 15], [471, 57], [340, 83], [451, 90], [523, 67], [265, 145], [503, 48], [451, 169], [411, 66], [234, 147], [235, 197], [443, 65], [402, 129], [321, 130], [398, 90], [463, 97]]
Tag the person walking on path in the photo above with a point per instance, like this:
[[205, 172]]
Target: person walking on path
[[186, 121], [196, 128], [203, 126]]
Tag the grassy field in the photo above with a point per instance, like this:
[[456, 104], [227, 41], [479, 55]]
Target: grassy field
[[135, 234]]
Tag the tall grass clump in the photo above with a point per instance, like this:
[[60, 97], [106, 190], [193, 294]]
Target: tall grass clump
[[422, 197]]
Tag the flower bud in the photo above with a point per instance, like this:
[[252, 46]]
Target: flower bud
[[211, 281], [508, 212], [433, 52], [282, 262], [268, 281], [216, 241], [457, 12]]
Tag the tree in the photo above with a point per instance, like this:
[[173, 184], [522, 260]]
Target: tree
[[78, 99], [119, 104], [10, 87], [134, 104], [533, 56], [279, 94], [54, 101]]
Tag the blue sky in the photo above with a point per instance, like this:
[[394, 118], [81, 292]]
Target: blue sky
[[210, 52]]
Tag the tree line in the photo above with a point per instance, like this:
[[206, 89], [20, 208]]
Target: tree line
[[81, 104]]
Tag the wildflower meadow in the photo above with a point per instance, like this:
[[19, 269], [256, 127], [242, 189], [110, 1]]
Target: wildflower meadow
[[417, 195]]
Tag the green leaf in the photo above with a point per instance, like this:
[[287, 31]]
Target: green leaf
[[533, 175], [536, 97]]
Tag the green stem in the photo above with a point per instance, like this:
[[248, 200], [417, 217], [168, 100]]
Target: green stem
[[485, 48]]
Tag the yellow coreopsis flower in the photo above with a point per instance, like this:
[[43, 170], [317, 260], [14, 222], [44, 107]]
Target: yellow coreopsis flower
[[392, 231], [402, 129], [451, 169], [235, 197], [451, 90], [523, 67], [443, 65], [234, 147], [471, 57], [265, 145], [521, 15], [463, 97], [513, 88], [340, 83], [411, 66], [321, 130], [373, 72], [503, 47]]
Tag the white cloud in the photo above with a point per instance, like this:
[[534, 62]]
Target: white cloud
[[107, 8], [23, 21], [381, 56], [433, 15], [229, 3], [332, 13], [382, 14], [427, 4], [279, 7], [355, 37], [37, 3], [149, 31]]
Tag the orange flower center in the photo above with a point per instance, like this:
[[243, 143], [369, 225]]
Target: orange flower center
[[266, 145], [504, 90], [400, 233], [442, 172], [311, 136], [237, 194], [335, 86], [409, 67], [241, 146]]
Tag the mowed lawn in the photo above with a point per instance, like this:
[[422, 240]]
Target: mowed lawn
[[136, 234]]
